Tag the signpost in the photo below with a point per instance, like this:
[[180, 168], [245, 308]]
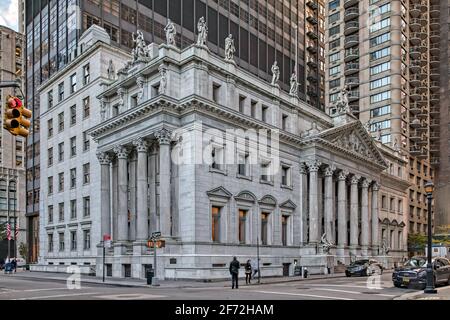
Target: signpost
[[153, 241], [106, 244]]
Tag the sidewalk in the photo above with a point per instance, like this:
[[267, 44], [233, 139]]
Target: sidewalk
[[443, 293], [41, 276]]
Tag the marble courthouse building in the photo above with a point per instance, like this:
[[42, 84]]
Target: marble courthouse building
[[311, 199]]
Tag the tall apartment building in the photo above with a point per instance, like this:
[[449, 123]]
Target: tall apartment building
[[386, 53], [264, 31], [12, 148]]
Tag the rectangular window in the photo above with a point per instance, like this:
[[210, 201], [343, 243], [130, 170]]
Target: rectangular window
[[215, 224], [242, 225], [87, 239], [380, 111], [86, 173], [386, 124], [86, 143], [284, 122], [61, 152], [50, 242], [216, 92], [383, 202], [264, 228], [242, 164], [61, 92], [334, 30], [50, 128], [73, 115], [333, 18], [73, 83], [333, 4], [286, 176], [335, 43], [284, 230], [50, 185], [380, 39], [334, 57], [61, 212], [61, 122], [61, 182], [50, 157], [73, 178], [380, 53], [73, 209], [386, 138], [86, 107], [380, 24], [382, 67], [335, 83], [380, 96], [50, 214], [86, 206], [253, 108], [266, 174], [86, 74], [73, 240], [264, 112], [242, 104], [334, 70], [50, 99], [378, 83], [217, 158], [333, 97], [73, 146]]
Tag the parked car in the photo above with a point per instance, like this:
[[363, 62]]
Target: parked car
[[414, 272], [365, 267]]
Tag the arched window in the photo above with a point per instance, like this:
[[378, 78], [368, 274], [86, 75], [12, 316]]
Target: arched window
[[12, 196], [3, 197]]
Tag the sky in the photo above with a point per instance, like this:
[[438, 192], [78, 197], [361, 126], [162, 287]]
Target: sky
[[9, 14]]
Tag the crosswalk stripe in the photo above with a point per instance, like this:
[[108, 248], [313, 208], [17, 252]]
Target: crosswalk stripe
[[59, 296], [304, 295]]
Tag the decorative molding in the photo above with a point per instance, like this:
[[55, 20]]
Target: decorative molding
[[288, 204], [330, 170], [314, 165], [164, 136], [303, 168], [219, 192], [245, 196], [366, 183], [140, 144], [121, 152], [268, 200], [103, 158], [140, 83], [376, 186], [355, 179], [343, 175]]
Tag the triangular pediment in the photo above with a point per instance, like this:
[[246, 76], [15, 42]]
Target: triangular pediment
[[219, 192], [353, 138], [288, 205]]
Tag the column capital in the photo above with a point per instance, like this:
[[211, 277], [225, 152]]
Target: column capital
[[141, 144], [121, 152], [343, 175], [303, 168], [376, 186], [355, 179], [366, 183], [164, 136], [330, 170], [314, 165], [104, 158]]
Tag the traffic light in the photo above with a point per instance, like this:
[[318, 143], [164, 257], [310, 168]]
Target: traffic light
[[15, 117]]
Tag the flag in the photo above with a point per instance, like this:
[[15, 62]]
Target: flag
[[8, 231], [16, 232]]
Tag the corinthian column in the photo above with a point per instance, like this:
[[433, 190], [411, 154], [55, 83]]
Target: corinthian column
[[313, 168], [365, 216], [342, 212], [122, 220], [105, 211], [375, 241], [142, 206], [303, 190], [329, 203], [164, 139], [354, 219]]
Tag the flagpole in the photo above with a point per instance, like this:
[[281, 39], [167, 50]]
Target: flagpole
[[16, 229], [8, 225]]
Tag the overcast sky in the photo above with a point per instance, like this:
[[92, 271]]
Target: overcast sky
[[9, 14]]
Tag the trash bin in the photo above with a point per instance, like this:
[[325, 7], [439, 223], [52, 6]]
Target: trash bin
[[149, 275]]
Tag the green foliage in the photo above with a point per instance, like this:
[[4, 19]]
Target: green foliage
[[416, 241], [23, 250]]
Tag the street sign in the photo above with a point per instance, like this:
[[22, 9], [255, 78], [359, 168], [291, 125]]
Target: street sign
[[156, 234], [159, 243]]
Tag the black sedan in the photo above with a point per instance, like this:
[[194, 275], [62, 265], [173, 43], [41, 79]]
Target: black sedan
[[365, 267], [414, 273]]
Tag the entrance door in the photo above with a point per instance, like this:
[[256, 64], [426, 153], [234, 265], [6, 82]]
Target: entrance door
[[286, 269]]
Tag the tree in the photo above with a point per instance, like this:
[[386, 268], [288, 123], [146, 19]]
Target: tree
[[23, 250], [416, 242]]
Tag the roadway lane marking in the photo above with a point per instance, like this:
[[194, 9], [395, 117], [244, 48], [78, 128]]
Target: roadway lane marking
[[335, 285], [36, 290], [130, 296], [59, 296], [337, 290], [303, 295]]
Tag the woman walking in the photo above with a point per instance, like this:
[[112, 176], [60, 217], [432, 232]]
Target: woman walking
[[248, 272]]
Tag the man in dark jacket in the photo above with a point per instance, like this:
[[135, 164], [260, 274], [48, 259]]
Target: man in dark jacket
[[234, 271]]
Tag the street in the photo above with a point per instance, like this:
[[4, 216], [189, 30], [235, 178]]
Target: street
[[15, 287]]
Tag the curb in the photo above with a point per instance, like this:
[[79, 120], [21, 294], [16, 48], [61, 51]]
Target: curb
[[410, 296]]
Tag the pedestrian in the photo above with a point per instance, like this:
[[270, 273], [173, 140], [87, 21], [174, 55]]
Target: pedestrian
[[234, 271], [255, 269], [14, 264], [248, 272]]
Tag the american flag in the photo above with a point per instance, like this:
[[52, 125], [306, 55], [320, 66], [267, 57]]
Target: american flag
[[8, 231]]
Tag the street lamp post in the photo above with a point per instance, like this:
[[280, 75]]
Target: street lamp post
[[429, 187]]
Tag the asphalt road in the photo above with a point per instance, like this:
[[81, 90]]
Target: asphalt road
[[355, 288]]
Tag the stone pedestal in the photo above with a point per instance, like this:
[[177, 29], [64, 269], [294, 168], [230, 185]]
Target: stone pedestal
[[318, 264], [386, 261]]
